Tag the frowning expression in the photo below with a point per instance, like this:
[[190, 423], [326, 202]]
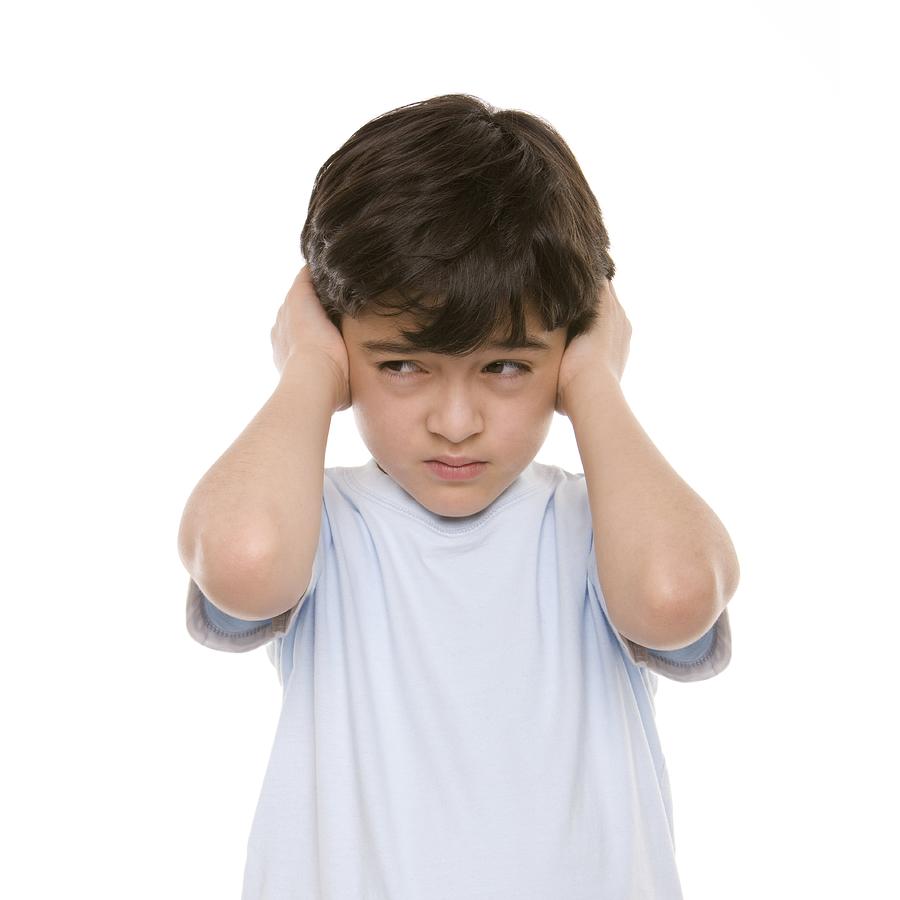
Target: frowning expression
[[494, 405]]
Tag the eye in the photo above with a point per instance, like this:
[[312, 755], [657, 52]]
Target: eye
[[383, 367], [520, 368]]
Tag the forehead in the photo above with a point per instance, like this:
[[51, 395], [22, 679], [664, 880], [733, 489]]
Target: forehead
[[375, 333]]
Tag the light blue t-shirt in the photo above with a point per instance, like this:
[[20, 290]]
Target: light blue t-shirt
[[460, 720]]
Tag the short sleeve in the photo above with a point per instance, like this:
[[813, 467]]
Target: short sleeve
[[704, 658], [210, 626]]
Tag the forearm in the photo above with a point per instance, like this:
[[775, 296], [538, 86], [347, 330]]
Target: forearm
[[664, 559], [251, 525]]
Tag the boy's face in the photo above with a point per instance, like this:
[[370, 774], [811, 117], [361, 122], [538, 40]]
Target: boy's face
[[495, 405]]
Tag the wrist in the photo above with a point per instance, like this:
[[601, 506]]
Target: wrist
[[313, 373], [590, 388]]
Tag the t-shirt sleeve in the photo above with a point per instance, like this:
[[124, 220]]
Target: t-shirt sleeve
[[704, 658], [210, 626]]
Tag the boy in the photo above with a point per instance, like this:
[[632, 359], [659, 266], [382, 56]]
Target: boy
[[468, 649]]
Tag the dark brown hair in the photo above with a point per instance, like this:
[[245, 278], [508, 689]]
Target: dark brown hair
[[460, 214]]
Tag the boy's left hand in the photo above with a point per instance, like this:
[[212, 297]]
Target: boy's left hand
[[600, 352]]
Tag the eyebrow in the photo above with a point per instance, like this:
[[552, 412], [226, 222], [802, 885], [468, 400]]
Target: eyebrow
[[530, 343]]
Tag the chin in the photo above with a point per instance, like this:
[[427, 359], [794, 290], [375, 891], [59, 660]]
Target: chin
[[457, 507], [455, 513]]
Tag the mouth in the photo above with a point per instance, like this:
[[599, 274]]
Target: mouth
[[455, 461], [456, 472]]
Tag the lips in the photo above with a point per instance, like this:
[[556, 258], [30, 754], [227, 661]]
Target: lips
[[447, 472], [456, 461]]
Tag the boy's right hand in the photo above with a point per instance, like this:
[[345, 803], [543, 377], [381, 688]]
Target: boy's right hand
[[302, 328]]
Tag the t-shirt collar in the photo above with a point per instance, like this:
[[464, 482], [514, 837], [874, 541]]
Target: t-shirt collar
[[379, 486]]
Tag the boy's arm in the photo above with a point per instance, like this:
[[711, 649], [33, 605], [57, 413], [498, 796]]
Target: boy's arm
[[666, 564], [250, 528]]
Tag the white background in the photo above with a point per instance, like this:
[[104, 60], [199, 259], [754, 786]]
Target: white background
[[157, 165]]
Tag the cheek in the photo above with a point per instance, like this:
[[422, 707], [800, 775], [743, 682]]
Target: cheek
[[378, 417], [521, 417], [364, 385], [544, 392]]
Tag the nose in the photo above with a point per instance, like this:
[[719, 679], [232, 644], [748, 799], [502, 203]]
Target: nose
[[455, 414]]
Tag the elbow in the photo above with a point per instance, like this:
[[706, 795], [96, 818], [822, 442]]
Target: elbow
[[683, 612], [233, 574]]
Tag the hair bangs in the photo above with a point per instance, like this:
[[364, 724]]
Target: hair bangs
[[463, 217]]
